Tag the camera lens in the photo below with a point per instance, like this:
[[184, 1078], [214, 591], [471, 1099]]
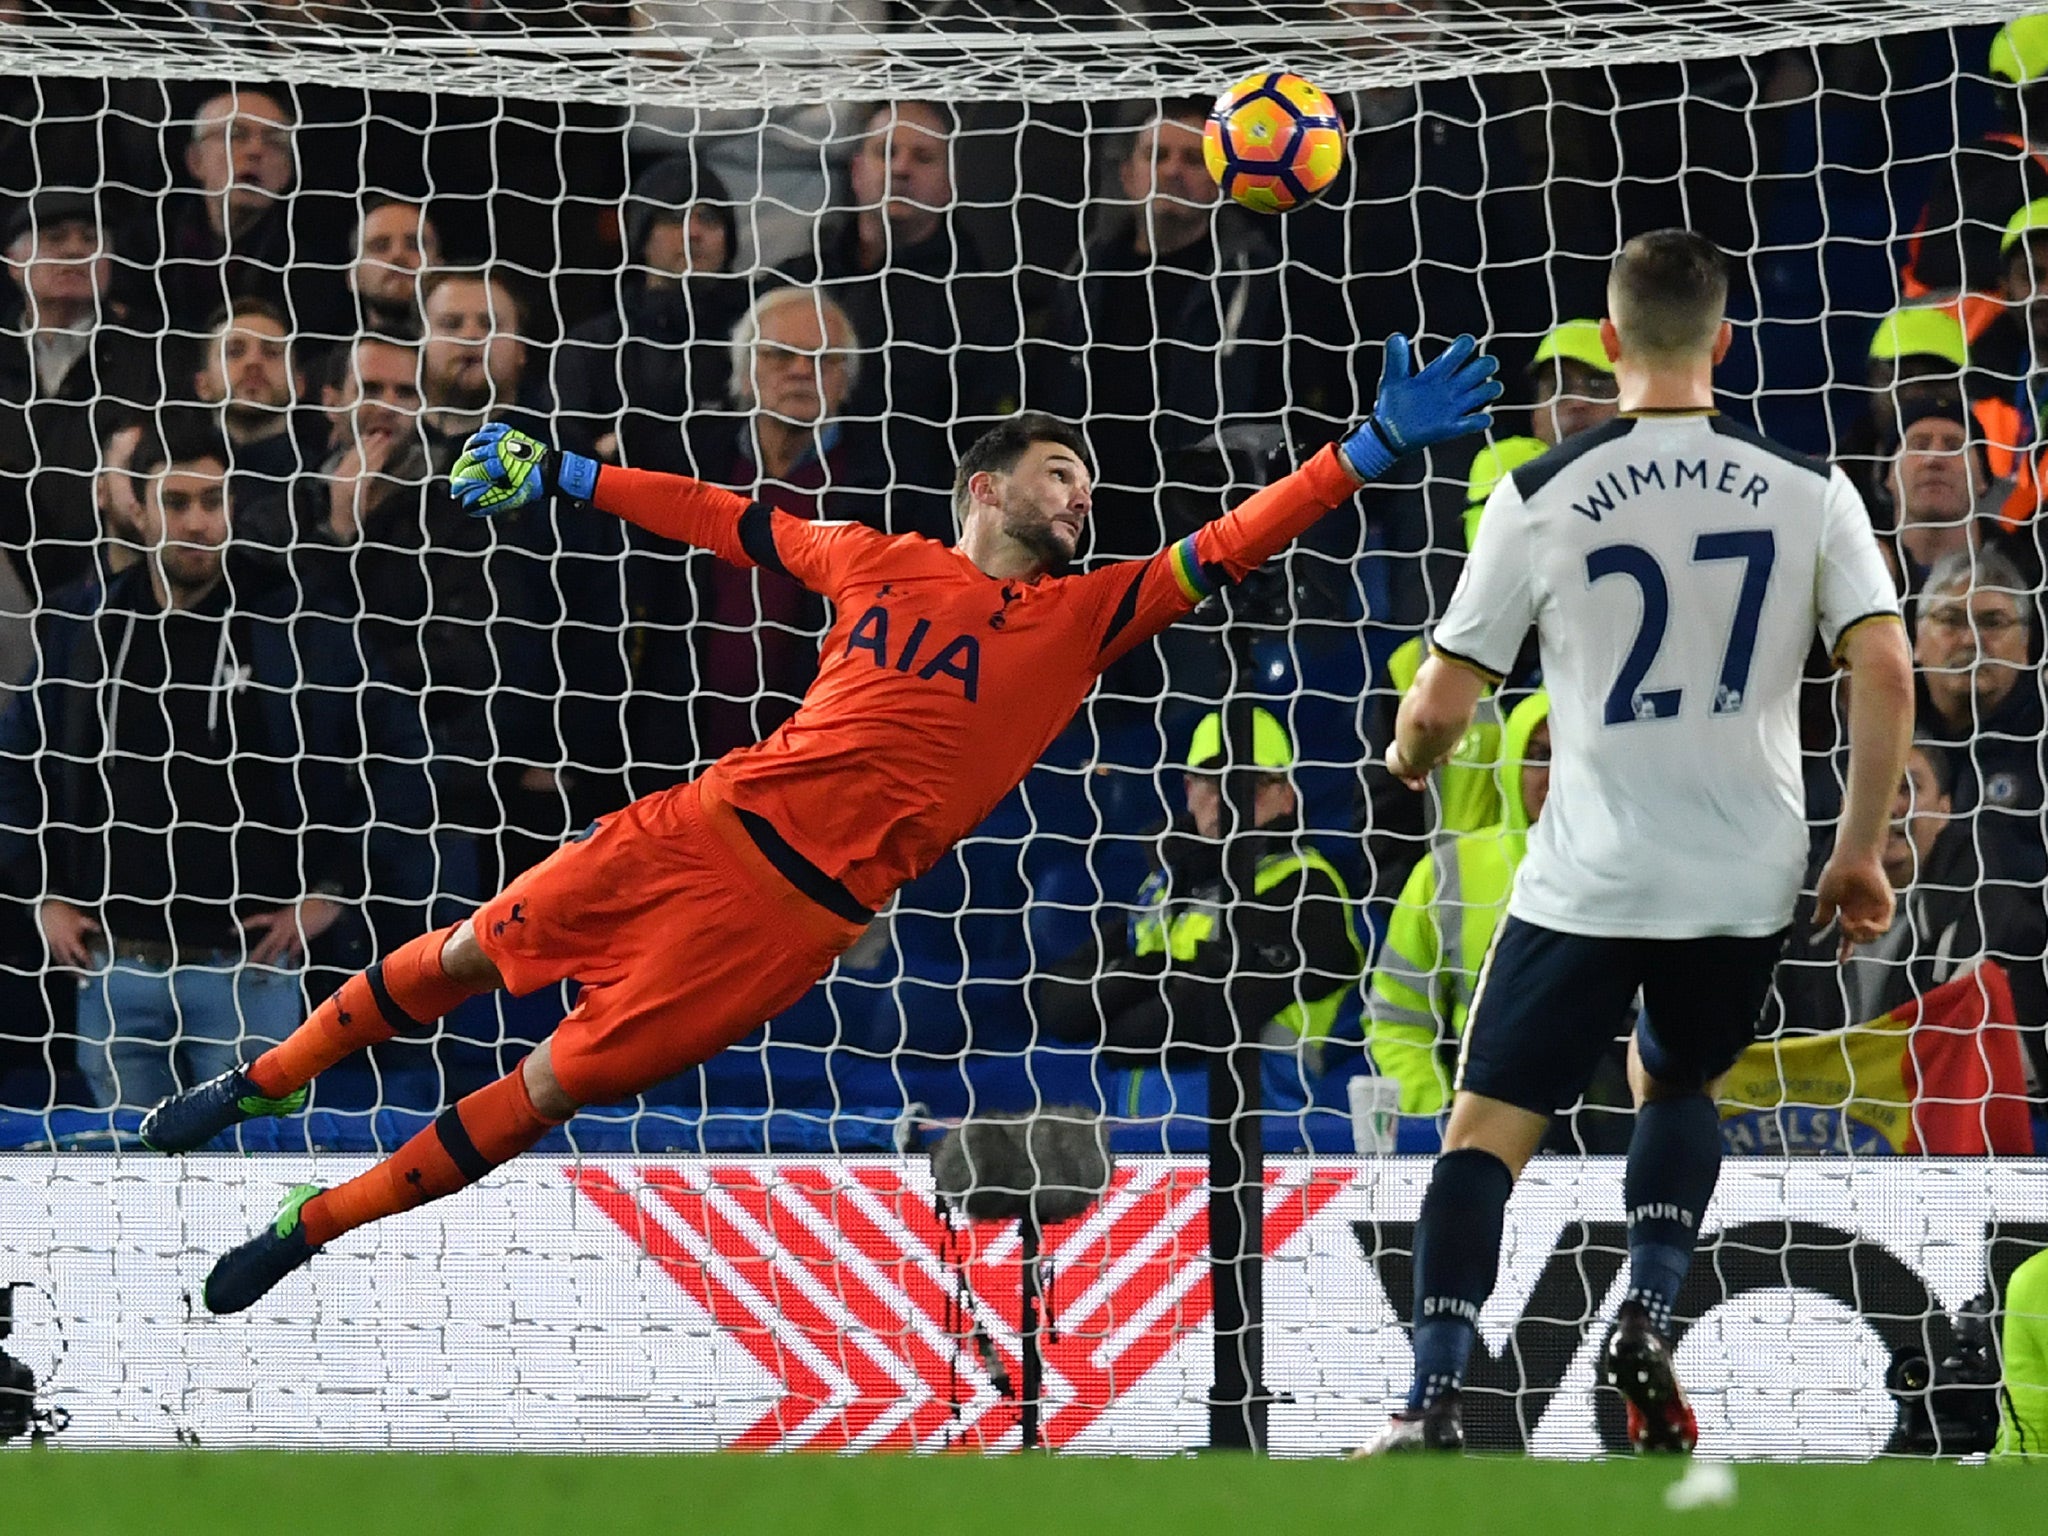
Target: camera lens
[[1908, 1375]]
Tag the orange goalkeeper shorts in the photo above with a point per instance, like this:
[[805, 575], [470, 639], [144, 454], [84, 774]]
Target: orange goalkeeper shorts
[[683, 935]]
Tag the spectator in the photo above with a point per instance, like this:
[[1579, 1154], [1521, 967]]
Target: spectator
[[474, 364], [374, 446], [1239, 933], [1441, 929], [1572, 383], [559, 607], [68, 355], [780, 163], [448, 608], [1955, 248], [236, 235], [1167, 330], [248, 371], [1936, 481], [942, 333], [1980, 696], [795, 360], [1948, 918], [395, 241], [627, 380], [188, 897]]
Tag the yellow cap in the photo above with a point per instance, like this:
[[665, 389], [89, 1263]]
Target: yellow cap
[[1921, 331], [2020, 51], [1272, 747], [1575, 341], [1496, 461], [2029, 220]]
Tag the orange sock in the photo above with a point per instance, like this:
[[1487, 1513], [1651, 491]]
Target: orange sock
[[489, 1127], [404, 993]]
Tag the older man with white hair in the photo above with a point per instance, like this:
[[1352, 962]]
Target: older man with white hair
[[1980, 695], [796, 358]]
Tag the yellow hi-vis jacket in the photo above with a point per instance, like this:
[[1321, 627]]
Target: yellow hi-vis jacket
[[1440, 931]]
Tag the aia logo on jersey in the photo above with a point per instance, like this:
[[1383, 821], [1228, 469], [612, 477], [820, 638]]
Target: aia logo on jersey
[[959, 658]]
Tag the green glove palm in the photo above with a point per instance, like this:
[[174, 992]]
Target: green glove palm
[[502, 468]]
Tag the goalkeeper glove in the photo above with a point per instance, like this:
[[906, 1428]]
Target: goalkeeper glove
[[502, 468], [1415, 408]]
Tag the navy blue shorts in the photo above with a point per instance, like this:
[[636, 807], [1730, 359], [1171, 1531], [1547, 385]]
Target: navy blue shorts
[[1549, 1004]]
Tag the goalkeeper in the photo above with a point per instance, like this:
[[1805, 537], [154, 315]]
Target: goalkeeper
[[692, 915]]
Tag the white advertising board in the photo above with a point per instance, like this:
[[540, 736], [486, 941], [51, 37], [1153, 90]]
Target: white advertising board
[[661, 1304]]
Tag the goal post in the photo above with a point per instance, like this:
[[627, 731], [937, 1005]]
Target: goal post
[[409, 706]]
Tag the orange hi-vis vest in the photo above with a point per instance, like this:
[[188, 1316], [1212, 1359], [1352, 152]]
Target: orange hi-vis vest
[[1975, 309]]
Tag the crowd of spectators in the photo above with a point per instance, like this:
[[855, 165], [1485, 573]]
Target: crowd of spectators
[[273, 701]]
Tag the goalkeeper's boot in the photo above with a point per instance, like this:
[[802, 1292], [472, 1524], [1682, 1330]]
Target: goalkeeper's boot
[[1637, 1364], [243, 1276], [1439, 1427], [194, 1117]]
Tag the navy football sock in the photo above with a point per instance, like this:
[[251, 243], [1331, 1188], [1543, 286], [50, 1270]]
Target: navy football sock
[[1674, 1160], [1457, 1255]]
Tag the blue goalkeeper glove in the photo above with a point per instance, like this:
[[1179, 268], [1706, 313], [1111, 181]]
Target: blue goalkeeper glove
[[502, 468], [1447, 399]]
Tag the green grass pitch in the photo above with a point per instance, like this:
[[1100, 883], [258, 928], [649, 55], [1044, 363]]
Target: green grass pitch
[[73, 1493]]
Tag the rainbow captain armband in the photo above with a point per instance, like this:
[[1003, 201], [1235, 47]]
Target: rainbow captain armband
[[1196, 581]]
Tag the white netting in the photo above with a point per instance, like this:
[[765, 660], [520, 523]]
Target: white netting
[[712, 53], [384, 709]]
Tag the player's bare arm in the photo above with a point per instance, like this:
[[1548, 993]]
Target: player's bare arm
[[1435, 715], [1853, 887]]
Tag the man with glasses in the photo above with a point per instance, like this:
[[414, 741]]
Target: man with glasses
[[1980, 695], [236, 233]]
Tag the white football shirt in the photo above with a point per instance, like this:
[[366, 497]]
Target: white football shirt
[[1675, 568]]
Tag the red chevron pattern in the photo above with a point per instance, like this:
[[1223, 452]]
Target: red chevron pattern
[[833, 1276]]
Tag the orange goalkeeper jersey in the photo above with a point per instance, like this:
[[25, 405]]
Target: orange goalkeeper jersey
[[938, 686]]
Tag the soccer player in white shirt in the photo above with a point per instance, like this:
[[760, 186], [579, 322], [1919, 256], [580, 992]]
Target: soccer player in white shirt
[[1675, 567]]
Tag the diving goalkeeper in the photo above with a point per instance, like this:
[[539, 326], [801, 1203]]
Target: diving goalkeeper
[[693, 914]]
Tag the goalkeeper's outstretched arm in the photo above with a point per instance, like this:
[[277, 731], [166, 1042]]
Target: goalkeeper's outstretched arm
[[502, 468], [1415, 409]]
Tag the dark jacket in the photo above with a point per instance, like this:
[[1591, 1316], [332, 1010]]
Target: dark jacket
[[1267, 951], [1155, 358], [329, 758], [448, 612], [49, 445], [662, 353], [2001, 769], [291, 255], [938, 340]]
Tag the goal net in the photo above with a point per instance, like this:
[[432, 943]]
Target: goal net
[[260, 730]]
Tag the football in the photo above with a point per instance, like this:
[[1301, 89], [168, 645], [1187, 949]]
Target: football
[[1273, 141]]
